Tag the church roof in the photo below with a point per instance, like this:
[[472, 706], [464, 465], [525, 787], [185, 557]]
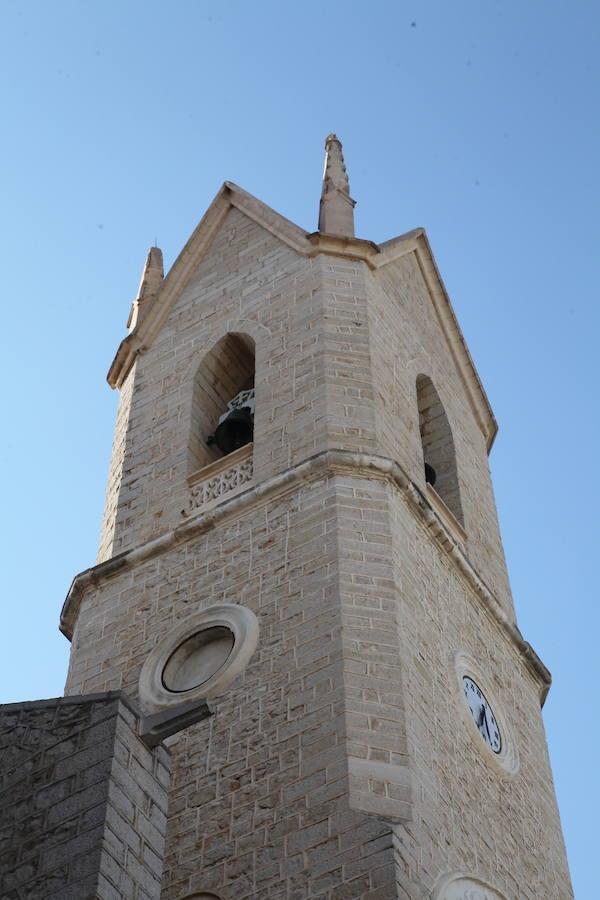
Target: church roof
[[166, 292]]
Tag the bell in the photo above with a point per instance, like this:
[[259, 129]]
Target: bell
[[430, 474], [235, 431]]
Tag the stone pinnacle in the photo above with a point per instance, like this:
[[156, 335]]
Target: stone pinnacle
[[336, 213]]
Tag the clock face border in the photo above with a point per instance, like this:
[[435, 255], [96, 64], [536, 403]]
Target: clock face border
[[506, 761]]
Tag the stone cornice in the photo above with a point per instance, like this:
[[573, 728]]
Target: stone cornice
[[346, 247], [310, 245], [326, 462]]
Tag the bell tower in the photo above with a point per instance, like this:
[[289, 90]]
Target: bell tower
[[300, 538]]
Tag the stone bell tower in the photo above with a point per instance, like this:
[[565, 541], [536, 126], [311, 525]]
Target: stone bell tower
[[300, 556]]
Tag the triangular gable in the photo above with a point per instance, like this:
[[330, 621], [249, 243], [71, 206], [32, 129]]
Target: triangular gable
[[375, 255], [416, 241], [230, 195]]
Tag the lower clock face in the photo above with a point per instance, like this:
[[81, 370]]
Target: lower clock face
[[482, 714]]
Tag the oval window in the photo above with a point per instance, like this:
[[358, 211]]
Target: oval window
[[198, 658]]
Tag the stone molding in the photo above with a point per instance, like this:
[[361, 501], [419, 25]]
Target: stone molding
[[327, 462], [212, 334], [240, 621], [395, 805], [448, 518], [309, 245], [465, 887], [203, 895], [461, 354], [73, 700]]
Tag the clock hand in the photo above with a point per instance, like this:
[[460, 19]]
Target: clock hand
[[481, 716], [487, 727]]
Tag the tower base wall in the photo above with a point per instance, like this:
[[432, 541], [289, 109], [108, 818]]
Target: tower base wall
[[82, 801]]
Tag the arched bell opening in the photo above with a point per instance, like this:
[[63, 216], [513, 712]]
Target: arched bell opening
[[439, 456], [223, 401]]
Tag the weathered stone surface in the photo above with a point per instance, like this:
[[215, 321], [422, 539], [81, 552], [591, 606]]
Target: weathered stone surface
[[75, 783]]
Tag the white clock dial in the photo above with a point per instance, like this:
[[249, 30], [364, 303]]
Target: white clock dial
[[482, 714]]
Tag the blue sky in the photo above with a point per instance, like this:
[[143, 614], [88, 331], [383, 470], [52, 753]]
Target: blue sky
[[478, 121]]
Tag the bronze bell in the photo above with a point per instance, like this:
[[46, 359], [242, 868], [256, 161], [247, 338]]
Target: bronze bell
[[235, 431], [430, 474]]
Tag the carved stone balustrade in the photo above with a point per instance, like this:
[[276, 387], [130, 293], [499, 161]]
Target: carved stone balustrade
[[224, 477]]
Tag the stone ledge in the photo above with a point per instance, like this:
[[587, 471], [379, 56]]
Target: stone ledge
[[74, 699], [395, 804], [446, 515], [327, 461], [221, 465]]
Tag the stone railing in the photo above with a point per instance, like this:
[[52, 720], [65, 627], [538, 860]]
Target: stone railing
[[225, 476]]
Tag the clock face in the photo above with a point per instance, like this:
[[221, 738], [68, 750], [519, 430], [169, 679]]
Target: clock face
[[482, 714]]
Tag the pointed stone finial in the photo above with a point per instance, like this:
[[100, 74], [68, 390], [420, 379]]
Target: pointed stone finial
[[150, 284], [336, 213]]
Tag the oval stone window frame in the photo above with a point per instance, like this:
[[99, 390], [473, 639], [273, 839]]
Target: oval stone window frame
[[242, 623], [203, 895]]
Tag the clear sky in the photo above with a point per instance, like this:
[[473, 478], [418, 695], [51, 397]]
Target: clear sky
[[477, 120]]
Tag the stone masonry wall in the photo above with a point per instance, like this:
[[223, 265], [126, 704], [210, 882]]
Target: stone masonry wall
[[117, 477], [344, 733], [348, 374], [465, 816], [82, 802], [407, 341], [259, 802]]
